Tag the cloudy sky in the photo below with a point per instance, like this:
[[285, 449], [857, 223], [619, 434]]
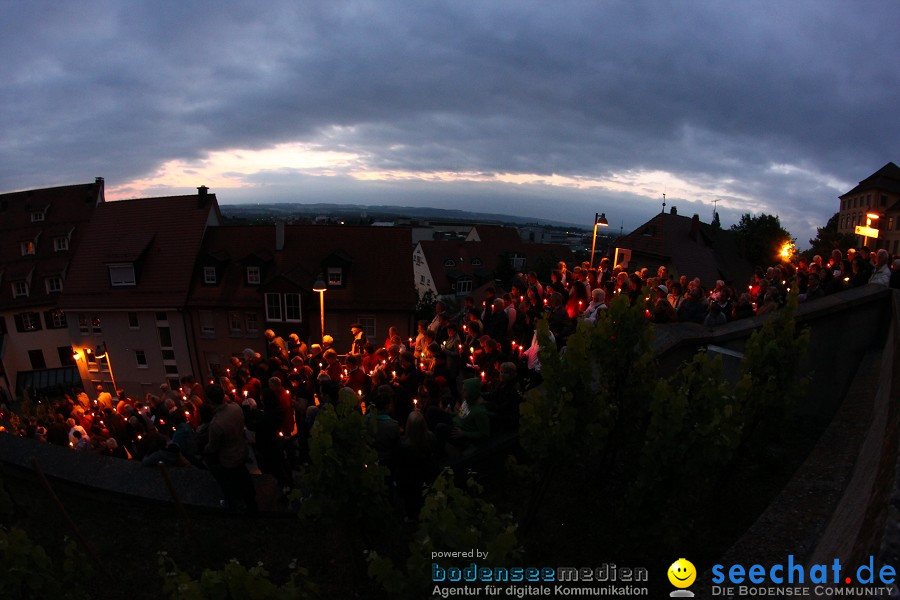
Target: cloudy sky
[[545, 109]]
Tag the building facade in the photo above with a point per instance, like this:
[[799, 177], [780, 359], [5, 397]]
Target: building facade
[[40, 232], [878, 195]]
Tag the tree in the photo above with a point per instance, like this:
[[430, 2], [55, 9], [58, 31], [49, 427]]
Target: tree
[[828, 238], [760, 238]]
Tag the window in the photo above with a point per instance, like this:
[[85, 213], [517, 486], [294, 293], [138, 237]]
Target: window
[[207, 324], [418, 259], [168, 354], [95, 325], [54, 285], [27, 248], [209, 275], [91, 359], [883, 200], [253, 277], [234, 323], [66, 355], [133, 322], [463, 287], [517, 261], [161, 317], [141, 359], [335, 276], [292, 307], [60, 244], [121, 275], [84, 325], [29, 321], [171, 369], [103, 361], [37, 359], [890, 223], [251, 319], [368, 325], [476, 262], [56, 319], [449, 263], [37, 216], [421, 279], [165, 337], [273, 307], [19, 288]]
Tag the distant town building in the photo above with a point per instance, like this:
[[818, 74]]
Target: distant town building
[[40, 231], [878, 194], [252, 278], [449, 268], [126, 295], [686, 247]]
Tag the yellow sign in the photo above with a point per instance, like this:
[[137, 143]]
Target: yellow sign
[[866, 231]]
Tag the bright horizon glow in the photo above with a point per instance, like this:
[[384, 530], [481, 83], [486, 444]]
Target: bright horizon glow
[[239, 168]]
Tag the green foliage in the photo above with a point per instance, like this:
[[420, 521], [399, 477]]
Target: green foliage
[[593, 392], [451, 519], [344, 481], [760, 238], [425, 305], [694, 428], [769, 387], [234, 581], [29, 571], [827, 239]]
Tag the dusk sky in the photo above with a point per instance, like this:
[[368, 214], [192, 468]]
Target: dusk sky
[[542, 109]]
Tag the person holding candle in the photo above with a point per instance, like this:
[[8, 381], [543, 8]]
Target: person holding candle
[[226, 452]]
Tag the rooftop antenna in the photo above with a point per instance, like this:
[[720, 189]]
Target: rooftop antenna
[[664, 204], [715, 207]]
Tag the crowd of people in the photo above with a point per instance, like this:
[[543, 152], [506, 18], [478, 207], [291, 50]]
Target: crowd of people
[[433, 396]]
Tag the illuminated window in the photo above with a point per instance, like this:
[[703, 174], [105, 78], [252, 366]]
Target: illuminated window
[[57, 319], [27, 248]]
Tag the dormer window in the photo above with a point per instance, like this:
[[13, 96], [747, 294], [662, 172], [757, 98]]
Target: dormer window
[[476, 262], [20, 289], [60, 244], [209, 275], [37, 216], [54, 285], [253, 276], [335, 276], [27, 248], [122, 275], [449, 263]]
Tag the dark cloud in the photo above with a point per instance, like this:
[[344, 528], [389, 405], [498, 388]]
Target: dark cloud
[[715, 93]]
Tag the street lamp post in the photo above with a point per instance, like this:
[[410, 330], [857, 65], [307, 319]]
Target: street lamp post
[[105, 355], [320, 287], [599, 220]]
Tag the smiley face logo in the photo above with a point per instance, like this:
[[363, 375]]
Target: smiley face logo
[[682, 573]]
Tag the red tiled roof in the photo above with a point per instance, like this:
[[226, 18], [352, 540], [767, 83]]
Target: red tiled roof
[[379, 274], [666, 239], [67, 209], [161, 236]]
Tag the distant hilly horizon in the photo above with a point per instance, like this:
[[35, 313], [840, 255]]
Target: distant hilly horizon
[[378, 212]]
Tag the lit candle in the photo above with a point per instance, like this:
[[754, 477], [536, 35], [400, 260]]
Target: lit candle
[[245, 393], [415, 402], [482, 375], [393, 373]]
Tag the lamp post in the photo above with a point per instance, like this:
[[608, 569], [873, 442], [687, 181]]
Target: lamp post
[[869, 229], [320, 287], [599, 220]]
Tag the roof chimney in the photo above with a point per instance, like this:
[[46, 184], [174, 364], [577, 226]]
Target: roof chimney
[[695, 227], [279, 235], [202, 195], [673, 211]]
